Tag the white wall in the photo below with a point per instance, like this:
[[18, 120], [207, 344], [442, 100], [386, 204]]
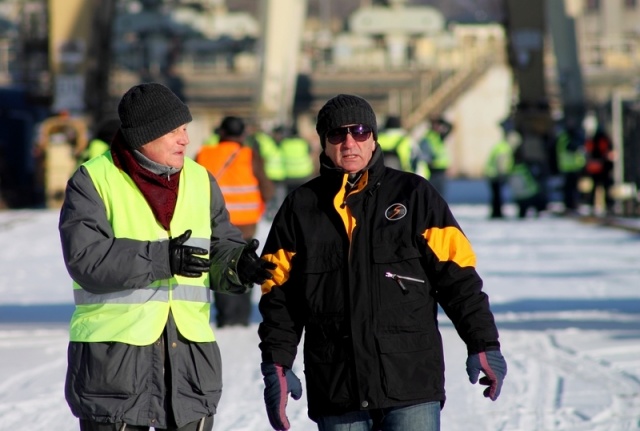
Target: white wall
[[476, 118]]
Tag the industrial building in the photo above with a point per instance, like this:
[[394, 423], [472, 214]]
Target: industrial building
[[277, 61]]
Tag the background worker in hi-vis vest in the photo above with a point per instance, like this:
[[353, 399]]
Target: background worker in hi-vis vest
[[145, 237], [239, 171]]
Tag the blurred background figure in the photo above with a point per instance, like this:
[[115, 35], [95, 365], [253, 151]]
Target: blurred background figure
[[499, 166], [213, 138], [434, 147], [101, 142], [396, 145], [570, 160], [268, 148], [600, 158], [239, 171], [297, 158], [528, 178]]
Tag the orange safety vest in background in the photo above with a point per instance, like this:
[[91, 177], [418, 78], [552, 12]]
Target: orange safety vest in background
[[232, 166]]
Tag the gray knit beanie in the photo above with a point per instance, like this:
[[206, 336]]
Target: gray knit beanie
[[345, 109], [148, 111]]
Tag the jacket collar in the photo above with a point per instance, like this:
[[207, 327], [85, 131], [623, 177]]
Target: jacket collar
[[157, 183], [375, 168]]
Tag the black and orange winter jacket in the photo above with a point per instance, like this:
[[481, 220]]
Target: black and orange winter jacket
[[370, 341]]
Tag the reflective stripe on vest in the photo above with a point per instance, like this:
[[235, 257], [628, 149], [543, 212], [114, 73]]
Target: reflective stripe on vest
[[232, 166], [140, 296], [138, 316]]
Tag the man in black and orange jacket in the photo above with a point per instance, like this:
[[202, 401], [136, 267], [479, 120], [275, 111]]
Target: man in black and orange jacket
[[364, 255]]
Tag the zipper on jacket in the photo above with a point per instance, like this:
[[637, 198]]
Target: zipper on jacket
[[398, 279]]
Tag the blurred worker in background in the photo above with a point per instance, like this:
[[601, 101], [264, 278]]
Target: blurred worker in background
[[396, 145], [498, 168], [434, 147], [101, 143], [599, 165], [528, 179], [570, 161], [296, 157], [239, 171], [213, 138], [270, 152]]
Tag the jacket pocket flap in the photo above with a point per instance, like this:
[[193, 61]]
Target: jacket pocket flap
[[390, 253], [398, 343]]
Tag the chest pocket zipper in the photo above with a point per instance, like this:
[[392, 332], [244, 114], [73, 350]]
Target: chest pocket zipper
[[398, 279]]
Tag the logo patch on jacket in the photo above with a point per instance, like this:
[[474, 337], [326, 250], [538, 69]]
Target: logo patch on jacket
[[395, 212]]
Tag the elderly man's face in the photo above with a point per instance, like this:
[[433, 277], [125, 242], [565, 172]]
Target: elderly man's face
[[168, 149], [350, 147]]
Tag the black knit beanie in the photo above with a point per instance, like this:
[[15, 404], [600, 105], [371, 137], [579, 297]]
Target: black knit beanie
[[148, 111], [345, 109]]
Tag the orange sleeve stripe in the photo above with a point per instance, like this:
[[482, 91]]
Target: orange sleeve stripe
[[450, 244], [282, 259]]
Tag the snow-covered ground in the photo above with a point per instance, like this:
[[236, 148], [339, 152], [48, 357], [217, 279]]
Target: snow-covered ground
[[566, 296]]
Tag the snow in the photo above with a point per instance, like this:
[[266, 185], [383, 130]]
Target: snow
[[566, 296]]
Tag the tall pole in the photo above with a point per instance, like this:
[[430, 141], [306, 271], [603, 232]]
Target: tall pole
[[282, 25], [98, 68], [569, 74], [70, 28]]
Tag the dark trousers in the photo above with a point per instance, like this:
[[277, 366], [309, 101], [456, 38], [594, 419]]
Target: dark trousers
[[495, 186], [232, 309], [537, 202], [603, 181], [570, 190], [200, 425], [438, 179], [235, 309]]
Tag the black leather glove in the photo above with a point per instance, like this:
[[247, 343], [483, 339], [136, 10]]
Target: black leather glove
[[251, 268], [183, 260]]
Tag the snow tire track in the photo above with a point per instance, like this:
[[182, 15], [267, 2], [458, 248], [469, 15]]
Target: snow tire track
[[565, 390]]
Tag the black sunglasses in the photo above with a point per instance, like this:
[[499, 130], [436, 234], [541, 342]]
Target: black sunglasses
[[359, 132]]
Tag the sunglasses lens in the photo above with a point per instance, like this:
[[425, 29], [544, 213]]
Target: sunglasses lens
[[336, 136], [359, 132]]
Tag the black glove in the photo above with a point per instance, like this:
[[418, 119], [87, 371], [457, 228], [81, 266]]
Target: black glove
[[251, 268], [493, 365], [182, 259], [278, 383]]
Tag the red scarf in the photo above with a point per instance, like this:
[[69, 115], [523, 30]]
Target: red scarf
[[160, 192]]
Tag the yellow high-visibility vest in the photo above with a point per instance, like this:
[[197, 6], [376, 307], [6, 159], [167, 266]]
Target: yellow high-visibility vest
[[138, 316]]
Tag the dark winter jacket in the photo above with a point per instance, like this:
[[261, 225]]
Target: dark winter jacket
[[370, 341]]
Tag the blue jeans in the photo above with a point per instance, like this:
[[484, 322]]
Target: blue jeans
[[419, 417]]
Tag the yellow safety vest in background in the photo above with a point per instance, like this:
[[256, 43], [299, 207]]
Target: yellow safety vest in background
[[439, 151], [569, 160], [500, 161], [271, 155], [296, 157], [397, 143]]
